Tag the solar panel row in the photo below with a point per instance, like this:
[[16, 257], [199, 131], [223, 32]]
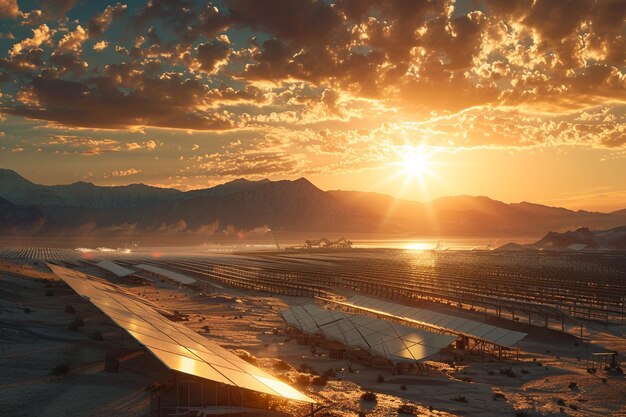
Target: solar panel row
[[176, 346], [475, 329], [114, 268], [174, 276], [393, 341]]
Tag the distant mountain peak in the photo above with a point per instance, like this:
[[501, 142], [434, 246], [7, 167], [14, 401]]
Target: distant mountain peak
[[585, 239], [304, 182], [9, 174], [244, 181], [83, 184], [7, 171]]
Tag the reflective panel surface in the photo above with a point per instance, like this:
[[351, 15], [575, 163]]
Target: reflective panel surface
[[393, 341], [176, 346], [486, 332], [114, 268], [174, 276]]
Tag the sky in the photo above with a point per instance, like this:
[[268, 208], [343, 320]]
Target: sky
[[520, 100]]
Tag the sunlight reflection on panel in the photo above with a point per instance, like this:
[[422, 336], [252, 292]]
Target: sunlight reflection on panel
[[280, 387], [176, 346]]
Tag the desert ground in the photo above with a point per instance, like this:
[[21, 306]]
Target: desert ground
[[547, 376]]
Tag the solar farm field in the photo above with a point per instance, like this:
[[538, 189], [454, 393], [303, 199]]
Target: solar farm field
[[545, 289]]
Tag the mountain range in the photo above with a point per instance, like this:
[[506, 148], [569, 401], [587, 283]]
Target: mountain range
[[583, 238], [240, 206]]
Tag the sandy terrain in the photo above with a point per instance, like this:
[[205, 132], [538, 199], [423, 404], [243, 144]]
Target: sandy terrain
[[32, 344]]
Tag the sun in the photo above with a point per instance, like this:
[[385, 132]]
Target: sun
[[412, 170], [415, 163]]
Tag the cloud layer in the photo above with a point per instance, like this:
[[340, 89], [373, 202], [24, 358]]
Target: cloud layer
[[323, 86]]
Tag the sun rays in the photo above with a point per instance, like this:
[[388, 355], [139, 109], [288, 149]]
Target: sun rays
[[416, 163]]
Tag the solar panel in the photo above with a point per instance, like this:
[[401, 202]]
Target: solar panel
[[496, 334], [468, 326], [174, 276], [511, 338], [382, 338], [114, 268], [456, 323], [482, 330], [176, 346], [452, 324]]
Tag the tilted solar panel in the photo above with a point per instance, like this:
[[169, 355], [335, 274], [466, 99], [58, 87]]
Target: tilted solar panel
[[174, 276], [449, 323], [176, 346], [383, 338], [114, 268]]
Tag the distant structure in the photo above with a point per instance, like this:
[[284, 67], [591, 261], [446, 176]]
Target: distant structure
[[324, 243], [274, 238]]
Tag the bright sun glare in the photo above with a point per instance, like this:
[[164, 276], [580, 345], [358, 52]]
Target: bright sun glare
[[414, 171], [415, 163]]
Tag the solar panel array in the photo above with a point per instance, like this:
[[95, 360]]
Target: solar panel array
[[114, 268], [458, 325], [393, 341], [174, 276], [176, 346], [48, 254]]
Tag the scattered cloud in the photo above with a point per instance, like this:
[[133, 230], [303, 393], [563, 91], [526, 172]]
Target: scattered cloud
[[41, 35], [125, 172], [73, 41], [89, 146], [210, 56], [99, 23], [9, 9], [171, 100], [100, 46], [317, 86]]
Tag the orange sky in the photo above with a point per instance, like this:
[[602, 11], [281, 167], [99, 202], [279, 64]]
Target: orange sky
[[516, 100]]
